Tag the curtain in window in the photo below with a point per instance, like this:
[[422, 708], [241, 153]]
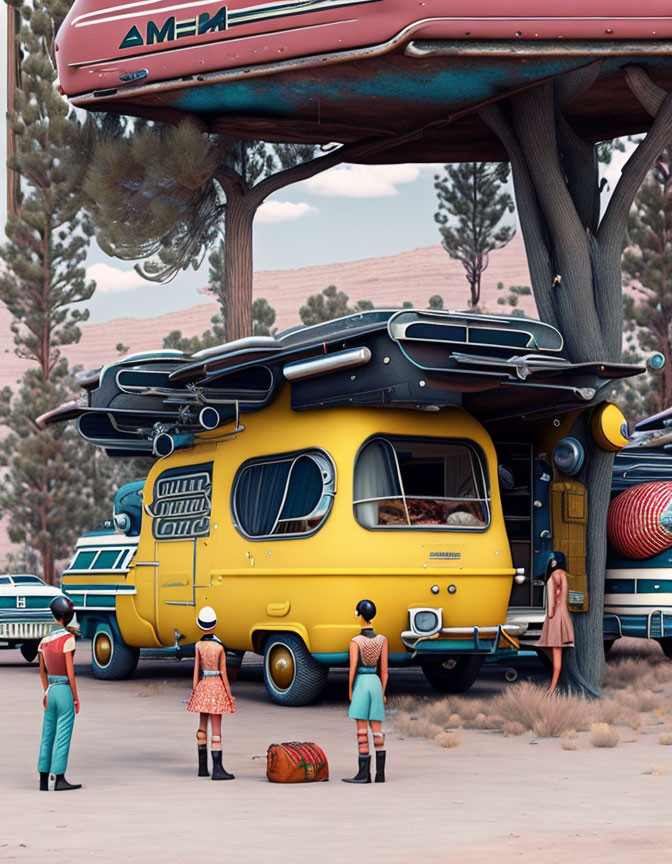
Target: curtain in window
[[375, 477], [305, 489], [259, 494]]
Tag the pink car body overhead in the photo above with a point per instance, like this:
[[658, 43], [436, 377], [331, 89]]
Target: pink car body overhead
[[104, 44], [341, 70]]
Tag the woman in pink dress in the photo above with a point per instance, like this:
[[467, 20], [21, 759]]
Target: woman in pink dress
[[211, 696], [558, 630]]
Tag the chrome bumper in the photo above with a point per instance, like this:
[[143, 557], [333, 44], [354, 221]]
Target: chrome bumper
[[473, 635], [22, 630]]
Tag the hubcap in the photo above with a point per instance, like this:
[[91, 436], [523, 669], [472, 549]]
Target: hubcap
[[281, 666], [103, 649], [450, 663]]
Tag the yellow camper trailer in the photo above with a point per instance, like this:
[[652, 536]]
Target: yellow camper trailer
[[282, 493]]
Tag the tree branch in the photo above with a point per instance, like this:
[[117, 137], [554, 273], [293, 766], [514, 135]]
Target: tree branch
[[258, 194], [534, 122], [230, 181], [531, 219], [571, 85], [649, 95], [579, 161], [613, 225]]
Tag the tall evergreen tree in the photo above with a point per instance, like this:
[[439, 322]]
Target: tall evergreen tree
[[472, 204], [49, 234], [329, 304], [647, 271], [165, 195], [43, 276]]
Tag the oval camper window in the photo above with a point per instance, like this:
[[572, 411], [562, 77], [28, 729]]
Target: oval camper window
[[283, 496]]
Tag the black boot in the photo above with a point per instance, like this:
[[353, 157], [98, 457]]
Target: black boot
[[60, 784], [380, 766], [364, 773], [44, 781], [203, 760], [219, 773]]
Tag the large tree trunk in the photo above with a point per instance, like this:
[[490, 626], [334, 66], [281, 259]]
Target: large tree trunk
[[238, 265], [574, 261]]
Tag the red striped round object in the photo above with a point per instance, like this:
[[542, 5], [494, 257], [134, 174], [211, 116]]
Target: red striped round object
[[638, 524]]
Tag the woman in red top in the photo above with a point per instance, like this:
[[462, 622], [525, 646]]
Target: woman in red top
[[60, 701]]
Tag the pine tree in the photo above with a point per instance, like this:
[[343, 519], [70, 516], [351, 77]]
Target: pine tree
[[49, 235], [647, 271], [165, 195], [43, 275], [471, 206], [43, 492], [263, 318], [512, 297], [329, 304]]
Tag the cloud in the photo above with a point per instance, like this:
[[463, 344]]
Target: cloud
[[272, 212], [363, 181], [111, 280]]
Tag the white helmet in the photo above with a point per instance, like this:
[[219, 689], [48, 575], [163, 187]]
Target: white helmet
[[207, 619]]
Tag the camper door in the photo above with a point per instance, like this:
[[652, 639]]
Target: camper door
[[181, 511]]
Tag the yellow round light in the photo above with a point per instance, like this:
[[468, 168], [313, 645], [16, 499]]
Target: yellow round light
[[609, 427], [281, 667], [103, 649]]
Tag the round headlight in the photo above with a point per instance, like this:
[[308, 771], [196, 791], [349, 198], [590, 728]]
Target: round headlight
[[425, 621]]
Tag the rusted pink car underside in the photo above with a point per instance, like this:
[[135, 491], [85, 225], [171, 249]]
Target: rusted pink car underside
[[336, 70]]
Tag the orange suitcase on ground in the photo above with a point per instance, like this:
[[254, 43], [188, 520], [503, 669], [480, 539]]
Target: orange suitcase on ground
[[296, 762]]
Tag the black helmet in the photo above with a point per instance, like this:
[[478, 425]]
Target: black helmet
[[367, 609], [62, 609]]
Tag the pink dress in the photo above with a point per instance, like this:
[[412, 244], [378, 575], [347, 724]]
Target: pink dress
[[558, 631], [210, 696]]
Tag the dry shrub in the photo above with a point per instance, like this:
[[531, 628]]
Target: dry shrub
[[416, 726], [455, 711], [529, 705], [513, 727], [631, 670], [568, 741], [448, 739], [665, 738], [403, 703], [617, 710], [603, 735], [647, 700]]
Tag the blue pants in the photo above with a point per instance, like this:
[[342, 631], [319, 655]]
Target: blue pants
[[59, 720]]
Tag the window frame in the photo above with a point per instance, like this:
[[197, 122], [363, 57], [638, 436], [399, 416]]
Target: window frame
[[120, 565], [477, 453], [180, 472], [293, 455]]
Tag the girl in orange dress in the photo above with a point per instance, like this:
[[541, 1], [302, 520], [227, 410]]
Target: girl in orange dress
[[558, 630], [211, 696]]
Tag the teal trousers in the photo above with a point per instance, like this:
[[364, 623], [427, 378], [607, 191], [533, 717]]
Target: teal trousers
[[59, 720]]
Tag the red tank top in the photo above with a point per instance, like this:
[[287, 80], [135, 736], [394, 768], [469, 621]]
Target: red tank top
[[54, 648]]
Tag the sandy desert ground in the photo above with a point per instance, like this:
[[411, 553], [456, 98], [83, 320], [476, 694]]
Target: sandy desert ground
[[492, 799]]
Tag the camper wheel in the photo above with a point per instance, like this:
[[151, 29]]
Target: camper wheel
[[291, 675], [666, 645], [111, 658], [453, 674]]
